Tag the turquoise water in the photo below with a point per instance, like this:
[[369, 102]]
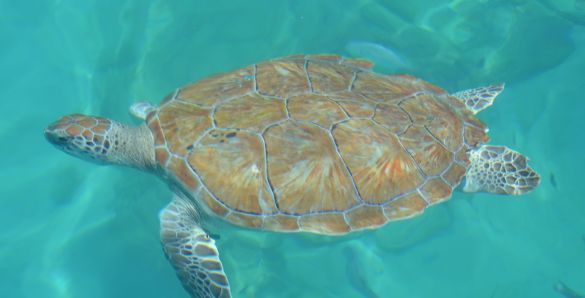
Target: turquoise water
[[72, 229]]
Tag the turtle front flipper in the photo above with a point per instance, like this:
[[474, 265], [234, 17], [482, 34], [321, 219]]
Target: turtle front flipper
[[478, 99], [191, 251], [499, 170]]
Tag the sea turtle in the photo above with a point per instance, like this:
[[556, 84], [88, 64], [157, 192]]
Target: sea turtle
[[315, 143]]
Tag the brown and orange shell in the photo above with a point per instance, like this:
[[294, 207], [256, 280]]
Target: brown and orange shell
[[314, 143]]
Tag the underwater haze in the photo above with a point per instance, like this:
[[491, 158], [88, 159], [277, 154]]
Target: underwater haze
[[72, 229]]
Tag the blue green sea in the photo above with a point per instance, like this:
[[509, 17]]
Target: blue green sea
[[72, 229]]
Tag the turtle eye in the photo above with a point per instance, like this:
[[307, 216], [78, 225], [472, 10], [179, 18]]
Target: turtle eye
[[56, 137]]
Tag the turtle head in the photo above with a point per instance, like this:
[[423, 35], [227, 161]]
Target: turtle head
[[102, 141], [86, 137]]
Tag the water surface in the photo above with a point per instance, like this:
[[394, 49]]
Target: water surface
[[72, 229]]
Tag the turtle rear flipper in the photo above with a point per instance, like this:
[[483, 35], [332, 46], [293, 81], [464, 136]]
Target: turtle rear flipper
[[192, 252], [499, 170], [478, 99]]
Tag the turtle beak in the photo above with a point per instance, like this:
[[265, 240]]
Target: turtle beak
[[56, 137], [60, 134], [57, 134]]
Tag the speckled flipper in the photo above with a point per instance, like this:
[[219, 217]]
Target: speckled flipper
[[478, 99], [192, 252], [141, 109], [499, 170]]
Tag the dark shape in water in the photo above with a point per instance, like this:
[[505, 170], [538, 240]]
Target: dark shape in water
[[553, 181], [564, 290], [573, 15], [355, 274], [383, 56]]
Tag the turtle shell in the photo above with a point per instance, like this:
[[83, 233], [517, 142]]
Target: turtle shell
[[314, 143]]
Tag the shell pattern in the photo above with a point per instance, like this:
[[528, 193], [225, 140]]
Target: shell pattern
[[314, 143]]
